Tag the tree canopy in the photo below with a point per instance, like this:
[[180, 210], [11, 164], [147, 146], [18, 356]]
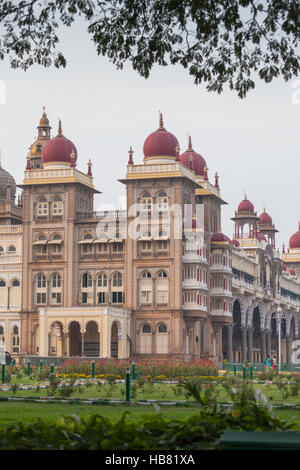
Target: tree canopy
[[219, 42]]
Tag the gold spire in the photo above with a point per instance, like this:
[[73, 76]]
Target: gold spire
[[190, 148]]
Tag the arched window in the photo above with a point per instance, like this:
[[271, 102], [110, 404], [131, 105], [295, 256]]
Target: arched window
[[146, 329], [12, 249], [162, 329], [42, 247], [102, 288], [88, 236], [55, 289], [2, 283], [57, 208], [42, 207], [41, 290], [87, 247], [162, 200], [146, 201], [87, 280], [56, 244], [162, 288], [87, 289], [15, 339], [16, 283], [146, 288], [117, 280], [117, 288]]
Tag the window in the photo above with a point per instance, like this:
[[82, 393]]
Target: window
[[146, 329], [1, 249], [2, 283], [117, 297], [12, 249], [146, 288], [42, 208], [102, 280], [117, 280], [162, 201], [57, 208], [162, 329], [117, 247], [87, 280], [15, 339], [162, 288], [102, 288], [56, 289], [41, 285], [146, 201], [16, 283]]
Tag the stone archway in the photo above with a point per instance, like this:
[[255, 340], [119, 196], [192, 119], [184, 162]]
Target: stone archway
[[91, 340], [74, 339]]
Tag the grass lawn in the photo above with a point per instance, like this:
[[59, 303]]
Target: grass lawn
[[11, 413], [157, 391]]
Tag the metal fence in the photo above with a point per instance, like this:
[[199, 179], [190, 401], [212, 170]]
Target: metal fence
[[260, 367]]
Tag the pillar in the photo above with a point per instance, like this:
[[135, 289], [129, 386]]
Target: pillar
[[82, 344], [250, 346], [288, 349], [66, 344], [244, 343], [268, 343], [263, 346], [229, 337]]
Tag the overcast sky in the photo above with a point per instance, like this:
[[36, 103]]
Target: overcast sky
[[253, 143]]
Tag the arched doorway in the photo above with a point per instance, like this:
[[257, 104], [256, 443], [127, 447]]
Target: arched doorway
[[114, 341], [92, 340], [74, 339]]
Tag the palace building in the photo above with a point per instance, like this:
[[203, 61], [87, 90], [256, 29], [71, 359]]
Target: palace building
[[157, 280]]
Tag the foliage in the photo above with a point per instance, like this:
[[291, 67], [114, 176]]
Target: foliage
[[223, 42], [200, 431]]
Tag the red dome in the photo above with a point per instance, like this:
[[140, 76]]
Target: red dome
[[160, 143], [295, 239], [220, 237], [59, 149], [235, 242], [198, 161], [260, 236], [265, 218], [246, 206]]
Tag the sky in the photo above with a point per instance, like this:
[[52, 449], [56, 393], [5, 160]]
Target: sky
[[252, 143]]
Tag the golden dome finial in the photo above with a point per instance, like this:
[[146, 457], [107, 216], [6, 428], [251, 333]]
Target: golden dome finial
[[190, 143]]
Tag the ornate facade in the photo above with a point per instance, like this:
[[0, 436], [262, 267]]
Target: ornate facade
[[158, 279]]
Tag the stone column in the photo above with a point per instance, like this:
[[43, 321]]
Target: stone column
[[268, 343], [288, 349], [203, 345], [250, 347], [263, 346], [82, 344], [65, 344], [244, 343], [230, 350]]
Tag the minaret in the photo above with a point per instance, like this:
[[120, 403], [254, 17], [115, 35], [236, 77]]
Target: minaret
[[36, 149]]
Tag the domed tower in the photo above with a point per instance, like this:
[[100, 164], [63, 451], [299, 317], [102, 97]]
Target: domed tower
[[292, 257], [59, 151], [10, 214], [194, 160], [245, 217], [267, 228], [160, 146], [34, 159]]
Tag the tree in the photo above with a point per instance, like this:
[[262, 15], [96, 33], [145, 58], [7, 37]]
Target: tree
[[219, 42]]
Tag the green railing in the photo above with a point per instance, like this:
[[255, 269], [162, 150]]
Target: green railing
[[260, 367]]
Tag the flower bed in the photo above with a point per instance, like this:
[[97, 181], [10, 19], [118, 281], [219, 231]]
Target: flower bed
[[167, 369]]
